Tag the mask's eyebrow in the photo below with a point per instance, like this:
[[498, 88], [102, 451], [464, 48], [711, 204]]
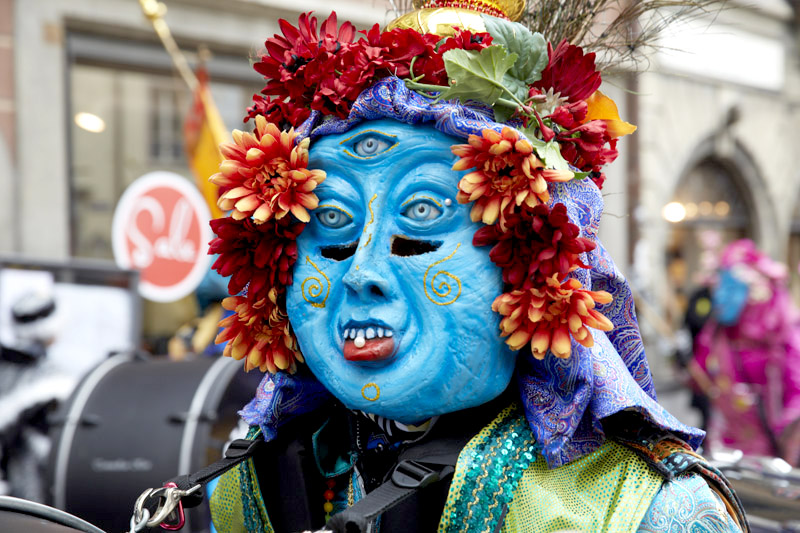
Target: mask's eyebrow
[[362, 132]]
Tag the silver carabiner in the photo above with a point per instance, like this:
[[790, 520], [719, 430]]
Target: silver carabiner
[[139, 523], [170, 499]]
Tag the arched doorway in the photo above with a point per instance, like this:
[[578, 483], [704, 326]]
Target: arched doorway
[[710, 205], [793, 259]]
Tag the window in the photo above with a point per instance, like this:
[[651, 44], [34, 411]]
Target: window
[[127, 108]]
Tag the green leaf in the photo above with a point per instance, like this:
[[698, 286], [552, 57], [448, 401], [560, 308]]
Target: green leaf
[[502, 113], [548, 152], [581, 175], [477, 75], [531, 48], [516, 87]]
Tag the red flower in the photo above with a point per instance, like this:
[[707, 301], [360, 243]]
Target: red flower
[[547, 316], [259, 332], [539, 243], [570, 116], [402, 46], [265, 175], [466, 40], [260, 255], [283, 114], [301, 65], [506, 174], [587, 145], [570, 72]]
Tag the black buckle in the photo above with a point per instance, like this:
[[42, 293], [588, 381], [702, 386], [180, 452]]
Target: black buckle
[[413, 475], [242, 448]]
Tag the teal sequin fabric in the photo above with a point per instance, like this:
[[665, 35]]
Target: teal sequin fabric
[[490, 468]]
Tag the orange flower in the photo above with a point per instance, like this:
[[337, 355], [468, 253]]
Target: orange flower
[[506, 174], [265, 175], [601, 107], [259, 332], [546, 317]]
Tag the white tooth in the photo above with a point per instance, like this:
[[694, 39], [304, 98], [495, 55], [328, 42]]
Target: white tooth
[[359, 342], [347, 334], [353, 333], [380, 332], [370, 333], [388, 333]]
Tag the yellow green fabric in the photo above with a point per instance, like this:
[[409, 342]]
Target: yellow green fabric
[[607, 490], [236, 504], [226, 503]]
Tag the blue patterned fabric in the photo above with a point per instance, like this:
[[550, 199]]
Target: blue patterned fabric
[[564, 400], [282, 397], [687, 505]]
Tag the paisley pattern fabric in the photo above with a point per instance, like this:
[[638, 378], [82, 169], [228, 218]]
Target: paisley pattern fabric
[[687, 505], [281, 397], [563, 400]]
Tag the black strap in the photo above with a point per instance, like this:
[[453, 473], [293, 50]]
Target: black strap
[[419, 467], [407, 478], [237, 452]]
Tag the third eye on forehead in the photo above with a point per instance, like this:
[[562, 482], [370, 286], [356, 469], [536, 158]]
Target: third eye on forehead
[[369, 143]]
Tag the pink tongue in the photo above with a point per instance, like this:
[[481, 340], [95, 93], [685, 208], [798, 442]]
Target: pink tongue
[[373, 349]]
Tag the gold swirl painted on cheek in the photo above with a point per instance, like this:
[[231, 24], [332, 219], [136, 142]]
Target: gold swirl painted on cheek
[[442, 289], [314, 290], [371, 392]]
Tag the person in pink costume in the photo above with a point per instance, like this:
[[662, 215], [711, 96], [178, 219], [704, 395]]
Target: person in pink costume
[[748, 356]]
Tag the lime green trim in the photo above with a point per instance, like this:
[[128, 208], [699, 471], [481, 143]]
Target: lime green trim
[[487, 472], [608, 490], [237, 505]]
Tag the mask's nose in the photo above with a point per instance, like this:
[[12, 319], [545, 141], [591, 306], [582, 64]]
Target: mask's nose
[[369, 274]]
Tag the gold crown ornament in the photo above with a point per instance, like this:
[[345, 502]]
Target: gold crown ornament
[[441, 17]]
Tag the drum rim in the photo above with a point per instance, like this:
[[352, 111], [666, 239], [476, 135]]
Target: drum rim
[[39, 510], [72, 420]]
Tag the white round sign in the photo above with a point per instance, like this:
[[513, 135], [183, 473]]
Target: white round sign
[[161, 229]]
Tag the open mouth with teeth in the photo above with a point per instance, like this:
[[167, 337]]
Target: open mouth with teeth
[[368, 343]]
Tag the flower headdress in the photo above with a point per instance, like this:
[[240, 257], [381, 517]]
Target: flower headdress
[[558, 127]]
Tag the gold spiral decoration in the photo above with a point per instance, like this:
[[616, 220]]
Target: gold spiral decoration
[[314, 291], [444, 288], [373, 389]]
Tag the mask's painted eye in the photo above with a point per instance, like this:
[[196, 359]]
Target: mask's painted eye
[[422, 210], [332, 217], [370, 146]]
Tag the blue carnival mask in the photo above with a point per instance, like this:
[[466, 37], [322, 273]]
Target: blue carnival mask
[[390, 302], [729, 298]]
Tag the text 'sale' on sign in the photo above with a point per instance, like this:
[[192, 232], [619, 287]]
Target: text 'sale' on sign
[[161, 229]]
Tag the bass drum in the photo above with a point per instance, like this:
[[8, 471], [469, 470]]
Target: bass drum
[[31, 517], [133, 423]]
